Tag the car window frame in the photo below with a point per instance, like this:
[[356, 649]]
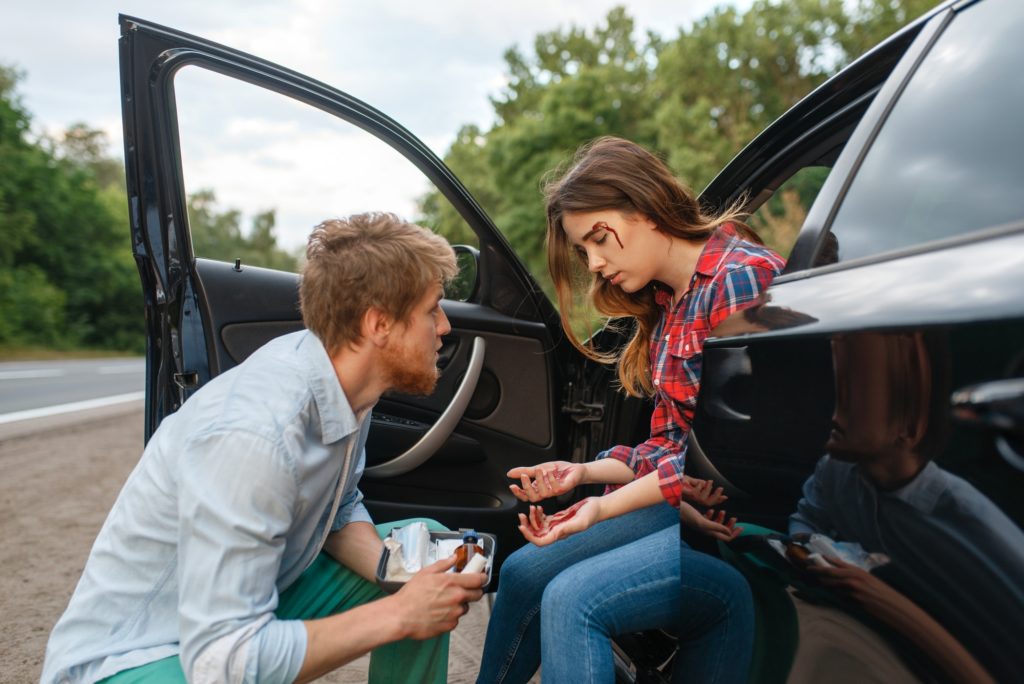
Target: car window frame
[[824, 210], [811, 239], [178, 341], [839, 113], [155, 108]]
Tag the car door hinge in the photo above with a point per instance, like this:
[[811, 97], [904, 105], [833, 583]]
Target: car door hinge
[[584, 412], [187, 380]]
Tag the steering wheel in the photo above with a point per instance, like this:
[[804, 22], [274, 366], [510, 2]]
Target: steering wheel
[[432, 439]]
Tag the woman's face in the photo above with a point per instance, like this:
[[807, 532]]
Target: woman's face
[[625, 249]]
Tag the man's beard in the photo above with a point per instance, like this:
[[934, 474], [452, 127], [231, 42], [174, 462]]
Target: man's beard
[[406, 371]]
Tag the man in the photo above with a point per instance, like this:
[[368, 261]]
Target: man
[[208, 567], [953, 584]]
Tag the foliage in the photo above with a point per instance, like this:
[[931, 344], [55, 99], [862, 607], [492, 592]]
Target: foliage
[[67, 276], [695, 99], [218, 235], [68, 280]]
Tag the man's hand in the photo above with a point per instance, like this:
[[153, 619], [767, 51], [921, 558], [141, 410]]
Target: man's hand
[[713, 523], [876, 596], [544, 529], [432, 602], [702, 492], [546, 480], [887, 604]]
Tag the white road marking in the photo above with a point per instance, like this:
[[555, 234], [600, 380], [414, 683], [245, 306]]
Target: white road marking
[[32, 373], [113, 370], [70, 408]]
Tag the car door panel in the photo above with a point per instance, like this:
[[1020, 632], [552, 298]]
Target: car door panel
[[508, 422], [783, 383], [205, 316], [969, 335]]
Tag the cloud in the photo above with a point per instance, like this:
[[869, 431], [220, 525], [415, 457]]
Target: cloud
[[430, 66]]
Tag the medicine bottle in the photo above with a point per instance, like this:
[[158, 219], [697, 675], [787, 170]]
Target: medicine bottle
[[470, 547]]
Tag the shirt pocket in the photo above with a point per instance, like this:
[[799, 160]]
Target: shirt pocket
[[680, 377], [688, 345]]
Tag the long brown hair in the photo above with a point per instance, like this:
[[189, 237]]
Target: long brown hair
[[615, 174]]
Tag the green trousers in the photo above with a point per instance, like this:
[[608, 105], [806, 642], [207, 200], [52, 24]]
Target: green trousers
[[326, 588]]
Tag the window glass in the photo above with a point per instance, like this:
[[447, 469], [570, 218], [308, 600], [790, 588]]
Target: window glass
[[261, 170], [778, 220], [948, 159]]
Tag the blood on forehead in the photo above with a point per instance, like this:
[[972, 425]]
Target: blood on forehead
[[601, 225]]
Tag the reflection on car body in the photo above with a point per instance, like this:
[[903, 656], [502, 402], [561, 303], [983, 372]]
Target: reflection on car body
[[954, 553], [880, 398]]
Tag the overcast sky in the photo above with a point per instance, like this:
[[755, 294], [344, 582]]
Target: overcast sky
[[429, 65]]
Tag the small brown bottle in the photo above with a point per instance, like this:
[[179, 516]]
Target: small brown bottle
[[470, 547]]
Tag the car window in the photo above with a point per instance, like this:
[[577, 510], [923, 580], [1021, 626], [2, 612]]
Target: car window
[[778, 220], [947, 161], [261, 170]]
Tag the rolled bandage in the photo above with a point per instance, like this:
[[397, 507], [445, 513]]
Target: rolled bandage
[[819, 560], [476, 563]]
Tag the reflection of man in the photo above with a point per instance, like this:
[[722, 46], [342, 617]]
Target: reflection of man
[[209, 563], [954, 553]]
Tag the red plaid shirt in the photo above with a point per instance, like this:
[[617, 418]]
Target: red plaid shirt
[[729, 276]]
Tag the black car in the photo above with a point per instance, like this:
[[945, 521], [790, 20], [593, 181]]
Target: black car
[[893, 342]]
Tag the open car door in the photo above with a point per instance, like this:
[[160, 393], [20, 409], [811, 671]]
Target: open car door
[[498, 398]]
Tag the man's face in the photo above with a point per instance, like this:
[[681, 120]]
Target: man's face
[[410, 355], [862, 425]]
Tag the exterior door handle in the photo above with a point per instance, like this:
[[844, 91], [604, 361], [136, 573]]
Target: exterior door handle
[[998, 405]]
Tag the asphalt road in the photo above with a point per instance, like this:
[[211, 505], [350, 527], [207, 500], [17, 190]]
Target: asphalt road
[[28, 385]]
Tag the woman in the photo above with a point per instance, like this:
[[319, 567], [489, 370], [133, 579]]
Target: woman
[[655, 256]]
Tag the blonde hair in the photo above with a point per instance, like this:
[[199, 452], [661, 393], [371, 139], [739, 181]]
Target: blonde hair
[[615, 174], [367, 260]]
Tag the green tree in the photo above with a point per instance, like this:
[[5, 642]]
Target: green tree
[[576, 85], [85, 148], [218, 235], [731, 73], [65, 266], [696, 99]]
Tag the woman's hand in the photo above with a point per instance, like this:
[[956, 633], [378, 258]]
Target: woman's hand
[[546, 480], [702, 492], [542, 529], [713, 523]]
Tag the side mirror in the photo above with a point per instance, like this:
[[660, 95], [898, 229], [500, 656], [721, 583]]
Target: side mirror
[[463, 286]]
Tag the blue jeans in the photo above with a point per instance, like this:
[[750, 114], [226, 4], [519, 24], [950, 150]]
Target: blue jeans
[[561, 604]]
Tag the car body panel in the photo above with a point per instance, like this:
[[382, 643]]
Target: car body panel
[[911, 330]]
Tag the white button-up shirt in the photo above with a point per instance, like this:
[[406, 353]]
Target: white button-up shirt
[[228, 505]]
